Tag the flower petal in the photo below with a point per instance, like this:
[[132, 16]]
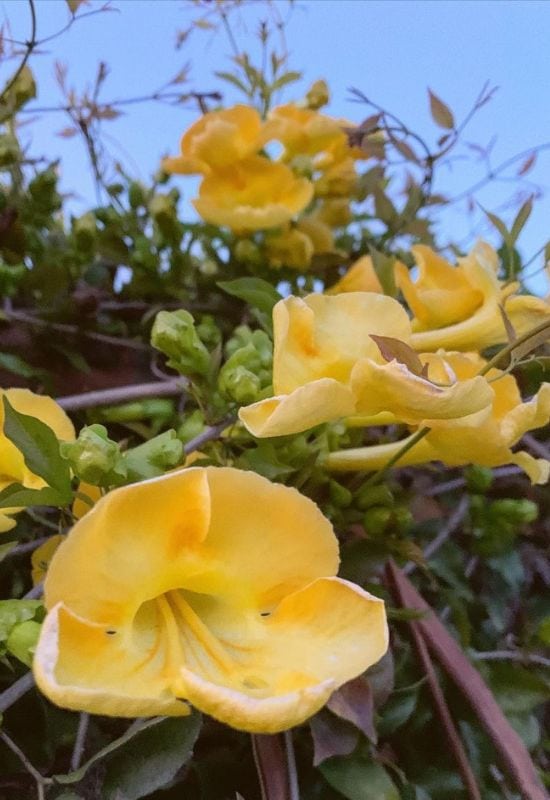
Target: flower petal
[[415, 400], [257, 549], [136, 543], [84, 666], [316, 640], [316, 402], [323, 336]]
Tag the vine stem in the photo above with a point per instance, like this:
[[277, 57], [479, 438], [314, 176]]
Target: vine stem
[[30, 45], [271, 766], [122, 394]]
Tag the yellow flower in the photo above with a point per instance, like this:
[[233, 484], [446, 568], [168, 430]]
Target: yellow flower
[[457, 308], [12, 465], [289, 248], [486, 438], [182, 590], [303, 131], [360, 277], [326, 365], [335, 212], [318, 232], [339, 179], [217, 140], [252, 195]]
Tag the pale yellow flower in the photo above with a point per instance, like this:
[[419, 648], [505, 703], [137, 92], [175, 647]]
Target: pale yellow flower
[[326, 365], [253, 195], [457, 308], [182, 589], [486, 438], [289, 248], [304, 131], [12, 465], [217, 140]]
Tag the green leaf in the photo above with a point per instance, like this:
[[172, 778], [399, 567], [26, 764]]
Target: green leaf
[[18, 366], [230, 78], [359, 779], [499, 225], [18, 496], [255, 291], [522, 216], [39, 447], [284, 80], [151, 759]]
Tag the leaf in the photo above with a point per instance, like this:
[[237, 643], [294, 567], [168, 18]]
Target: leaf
[[440, 111], [522, 216], [67, 133], [255, 291], [18, 366], [39, 447], [527, 165], [74, 5], [396, 350], [151, 759], [331, 737], [510, 330], [18, 496], [383, 206], [230, 78], [284, 80], [5, 549], [359, 779], [499, 225], [354, 702], [384, 268]]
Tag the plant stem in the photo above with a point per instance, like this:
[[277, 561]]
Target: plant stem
[[12, 694], [122, 394]]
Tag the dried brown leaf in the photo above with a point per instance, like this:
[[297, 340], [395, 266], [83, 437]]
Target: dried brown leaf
[[354, 702], [440, 111], [396, 350]]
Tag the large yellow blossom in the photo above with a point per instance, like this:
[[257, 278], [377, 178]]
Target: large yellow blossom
[[12, 465], [486, 438], [217, 140], [208, 586], [326, 365], [457, 308], [252, 195], [303, 131]]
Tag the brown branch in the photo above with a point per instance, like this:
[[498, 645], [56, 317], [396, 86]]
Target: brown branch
[[271, 765], [440, 704], [122, 394], [507, 743], [208, 434], [30, 44], [14, 692]]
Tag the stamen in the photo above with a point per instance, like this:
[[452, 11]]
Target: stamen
[[202, 633]]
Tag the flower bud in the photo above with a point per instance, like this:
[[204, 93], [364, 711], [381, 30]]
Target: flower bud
[[239, 384], [318, 95], [174, 335], [155, 457], [192, 425], [94, 457], [22, 640]]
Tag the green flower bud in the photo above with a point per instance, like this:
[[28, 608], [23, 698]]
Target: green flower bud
[[154, 457], [136, 194], [478, 479], [518, 512], [174, 335], [209, 333], [22, 640], [340, 496], [85, 230], [94, 457], [239, 384], [158, 408], [376, 520], [9, 150], [403, 518], [247, 252], [374, 496], [192, 425]]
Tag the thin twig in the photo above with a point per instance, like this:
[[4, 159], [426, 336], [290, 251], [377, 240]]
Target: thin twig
[[541, 449], [29, 45], [271, 766], [207, 435], [38, 777], [454, 521], [80, 741], [36, 592], [74, 330], [510, 655], [28, 547], [14, 692], [122, 394]]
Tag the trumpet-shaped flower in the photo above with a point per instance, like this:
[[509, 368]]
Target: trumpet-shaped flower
[[458, 308], [360, 277], [326, 365], [486, 438], [252, 195], [12, 464], [304, 131], [208, 586], [217, 140]]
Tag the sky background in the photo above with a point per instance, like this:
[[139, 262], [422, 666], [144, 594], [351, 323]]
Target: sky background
[[392, 50]]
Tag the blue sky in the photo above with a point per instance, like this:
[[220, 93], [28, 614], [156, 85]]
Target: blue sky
[[390, 49]]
